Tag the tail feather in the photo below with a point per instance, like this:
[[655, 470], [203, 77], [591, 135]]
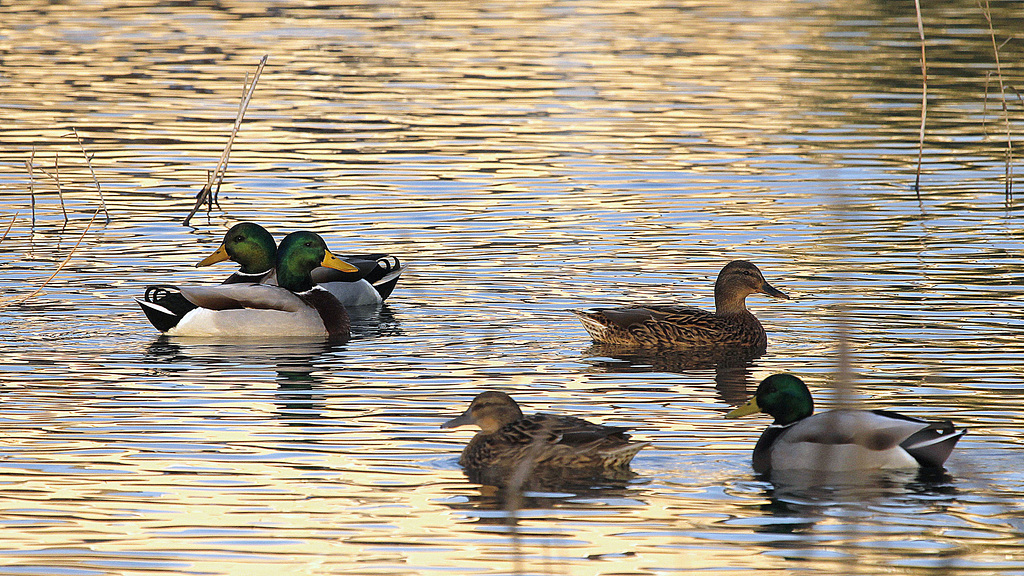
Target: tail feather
[[931, 446], [164, 306], [385, 276], [593, 323]]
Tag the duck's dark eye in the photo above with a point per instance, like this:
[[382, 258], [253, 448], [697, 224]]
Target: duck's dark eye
[[239, 238], [309, 244]]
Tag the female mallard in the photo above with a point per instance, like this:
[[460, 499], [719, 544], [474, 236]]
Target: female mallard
[[295, 307], [252, 247], [507, 438], [840, 440], [732, 325]]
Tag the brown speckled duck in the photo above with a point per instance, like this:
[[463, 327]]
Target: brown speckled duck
[[507, 438], [685, 327]]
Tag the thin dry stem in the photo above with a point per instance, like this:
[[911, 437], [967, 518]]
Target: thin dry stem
[[986, 12], [59, 268], [514, 493], [95, 180], [924, 101], [56, 178], [984, 105], [9, 226], [211, 190], [32, 184]]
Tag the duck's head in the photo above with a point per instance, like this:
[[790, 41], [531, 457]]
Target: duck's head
[[248, 244], [297, 256], [738, 279], [490, 411], [783, 396]]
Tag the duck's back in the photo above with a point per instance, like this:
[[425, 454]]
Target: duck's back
[[843, 440], [552, 441], [672, 327]]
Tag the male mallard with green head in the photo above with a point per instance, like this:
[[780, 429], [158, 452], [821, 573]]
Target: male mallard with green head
[[372, 279], [507, 439], [840, 440], [296, 306], [253, 248], [684, 327], [249, 245]]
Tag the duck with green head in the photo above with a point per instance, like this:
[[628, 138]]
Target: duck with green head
[[249, 245], [507, 439], [372, 277], [840, 440], [684, 327], [253, 248], [296, 306]]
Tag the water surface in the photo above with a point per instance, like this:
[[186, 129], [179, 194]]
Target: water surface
[[523, 159]]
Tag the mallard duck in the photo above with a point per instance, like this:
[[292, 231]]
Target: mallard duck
[[840, 440], [507, 438], [253, 248], [294, 307], [684, 327]]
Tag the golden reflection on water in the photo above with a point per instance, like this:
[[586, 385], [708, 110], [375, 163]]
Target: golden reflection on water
[[523, 158]]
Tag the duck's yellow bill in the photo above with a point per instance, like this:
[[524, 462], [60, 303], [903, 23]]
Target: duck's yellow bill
[[332, 261], [749, 408], [219, 256]]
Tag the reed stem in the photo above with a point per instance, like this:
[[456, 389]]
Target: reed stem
[[210, 191]]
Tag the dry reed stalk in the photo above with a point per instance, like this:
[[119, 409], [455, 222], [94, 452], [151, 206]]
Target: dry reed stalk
[[95, 180], [32, 184], [984, 105], [514, 495], [56, 178], [210, 191], [986, 12], [59, 268], [924, 101], [9, 226]]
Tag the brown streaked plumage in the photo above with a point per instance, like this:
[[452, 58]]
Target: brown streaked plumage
[[731, 325], [507, 439]]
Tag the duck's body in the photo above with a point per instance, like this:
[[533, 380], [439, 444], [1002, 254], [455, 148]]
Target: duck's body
[[260, 310], [295, 307], [684, 327], [508, 439], [840, 440], [367, 280]]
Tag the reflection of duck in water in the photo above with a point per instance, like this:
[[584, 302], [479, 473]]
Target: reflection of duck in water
[[731, 368], [371, 278], [685, 327], [840, 440], [544, 443], [295, 307]]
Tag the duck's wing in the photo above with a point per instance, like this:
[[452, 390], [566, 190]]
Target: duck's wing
[[846, 439], [874, 430], [567, 430], [628, 316], [239, 296], [654, 326]]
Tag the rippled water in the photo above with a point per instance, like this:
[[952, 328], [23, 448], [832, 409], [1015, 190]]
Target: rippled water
[[522, 158]]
